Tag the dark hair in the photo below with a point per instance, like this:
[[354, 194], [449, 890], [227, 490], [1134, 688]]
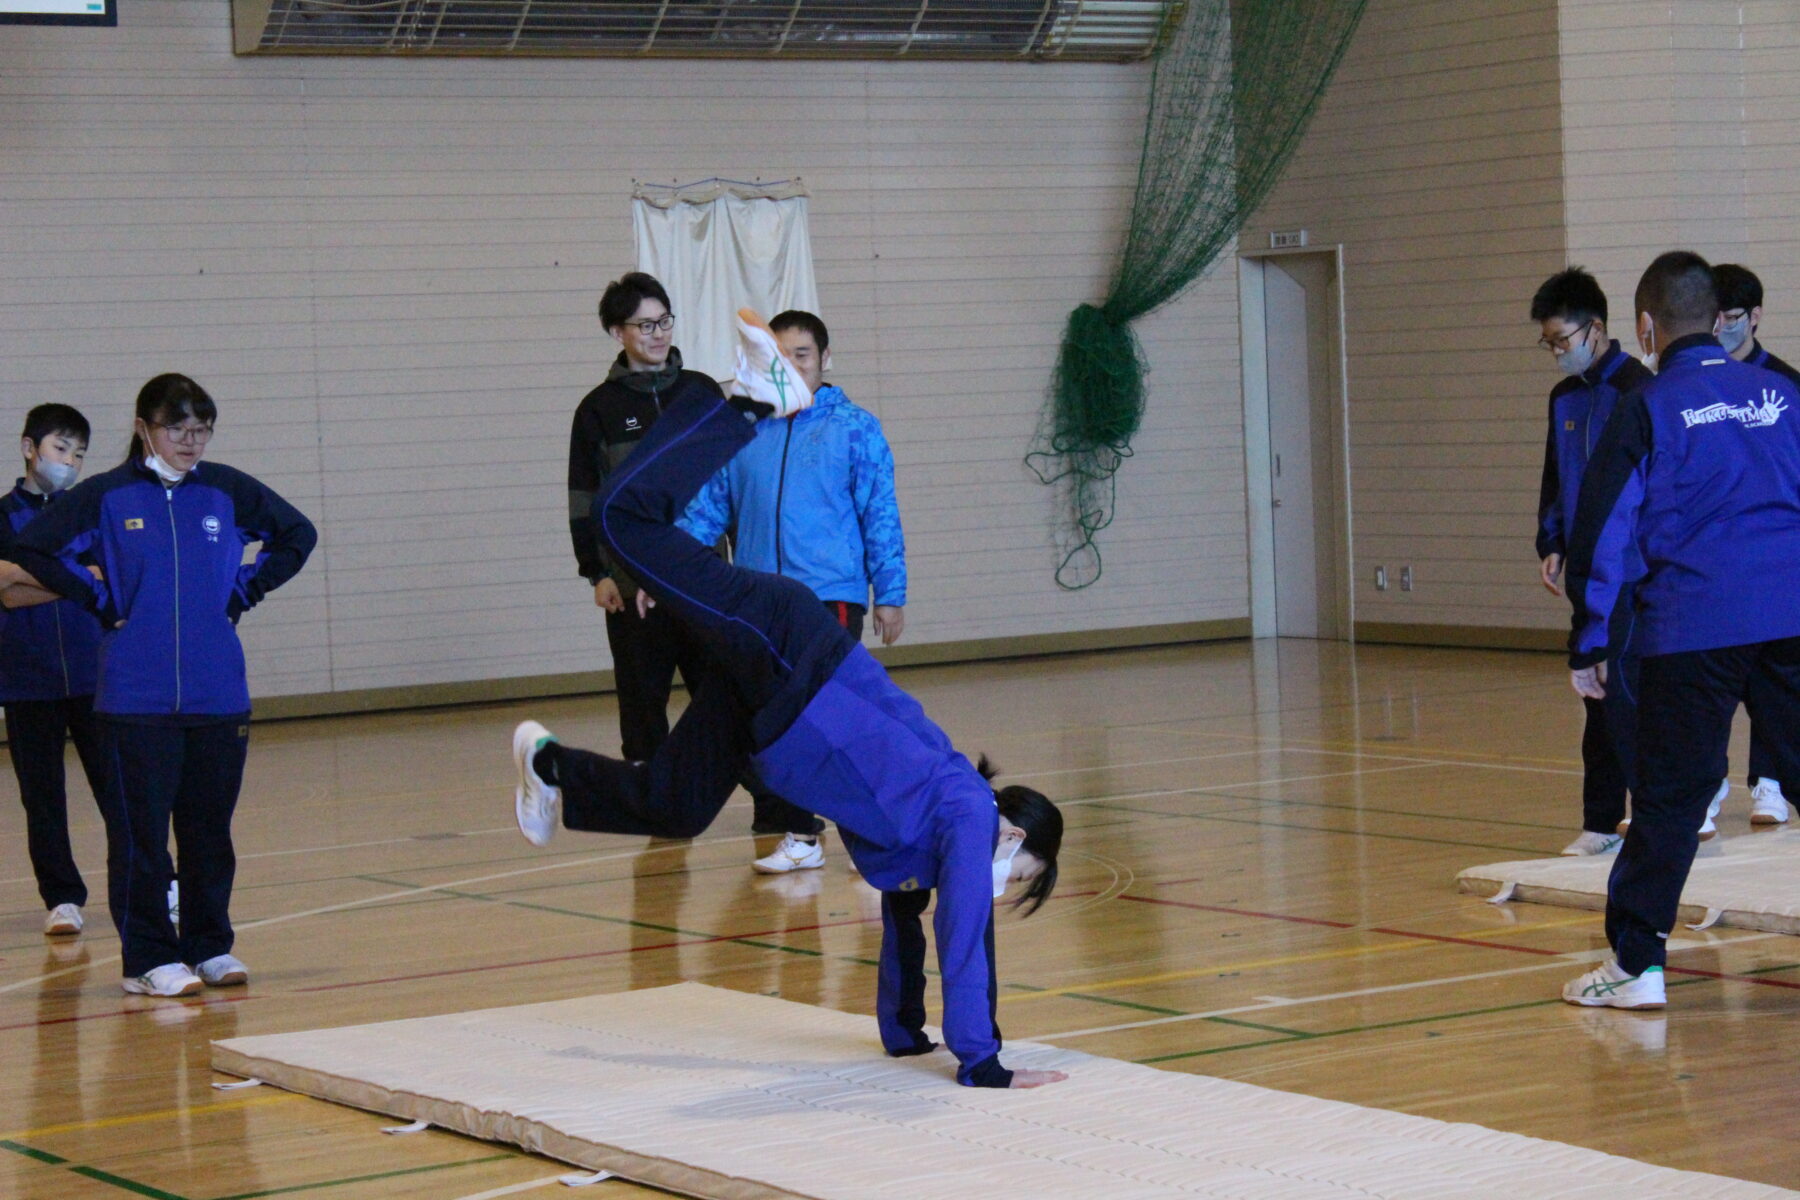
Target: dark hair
[[1738, 287], [168, 400], [1571, 294], [794, 318], [1042, 822], [623, 295], [1677, 291], [47, 419]]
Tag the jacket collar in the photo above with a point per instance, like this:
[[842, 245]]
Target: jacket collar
[[143, 471], [659, 380], [25, 495], [1603, 366], [1694, 345]]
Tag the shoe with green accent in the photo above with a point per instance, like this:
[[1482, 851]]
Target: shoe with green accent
[[1592, 843], [1608, 986], [764, 374], [537, 805]]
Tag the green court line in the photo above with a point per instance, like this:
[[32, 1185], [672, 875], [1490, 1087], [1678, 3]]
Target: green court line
[[43, 1156], [1132, 1004], [129, 1185], [1292, 1033], [329, 1183], [1398, 837], [1767, 970]]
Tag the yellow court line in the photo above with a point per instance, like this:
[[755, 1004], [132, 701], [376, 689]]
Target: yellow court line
[[136, 1118], [1316, 956]]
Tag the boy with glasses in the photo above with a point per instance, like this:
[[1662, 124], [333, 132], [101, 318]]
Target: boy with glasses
[[1570, 310], [610, 421]]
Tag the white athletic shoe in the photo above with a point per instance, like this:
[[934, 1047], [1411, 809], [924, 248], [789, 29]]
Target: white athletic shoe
[[222, 970], [1767, 805], [536, 804], [1606, 986], [1591, 843], [794, 854], [65, 919], [764, 373], [170, 979], [1709, 830]]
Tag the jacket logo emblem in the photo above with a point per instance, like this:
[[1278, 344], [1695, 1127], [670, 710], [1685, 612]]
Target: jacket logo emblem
[[631, 422], [211, 526], [911, 885], [1751, 416], [1568, 426], [134, 522]]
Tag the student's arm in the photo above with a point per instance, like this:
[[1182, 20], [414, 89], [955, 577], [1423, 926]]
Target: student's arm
[[286, 535], [1551, 542], [18, 589], [1605, 527], [964, 923], [878, 511], [50, 550], [587, 471]]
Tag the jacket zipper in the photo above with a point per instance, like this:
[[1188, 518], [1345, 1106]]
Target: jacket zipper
[[175, 545], [780, 494], [62, 651]]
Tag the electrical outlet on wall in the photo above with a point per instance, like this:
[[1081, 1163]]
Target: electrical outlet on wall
[[1406, 578], [1381, 579]]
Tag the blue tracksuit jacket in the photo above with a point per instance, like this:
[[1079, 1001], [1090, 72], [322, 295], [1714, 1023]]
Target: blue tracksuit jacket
[[914, 814], [1760, 357], [1579, 407], [48, 651], [172, 561], [1699, 474], [813, 499]]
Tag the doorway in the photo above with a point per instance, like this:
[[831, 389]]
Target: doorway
[[1296, 444]]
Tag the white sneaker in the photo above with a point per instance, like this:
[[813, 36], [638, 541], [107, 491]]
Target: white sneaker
[[1606, 986], [222, 970], [794, 854], [763, 372], [536, 804], [1709, 830], [1767, 805], [170, 979], [1591, 843], [65, 919]]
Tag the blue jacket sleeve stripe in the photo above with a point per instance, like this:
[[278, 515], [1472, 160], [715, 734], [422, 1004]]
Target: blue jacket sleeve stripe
[[51, 546], [1605, 528]]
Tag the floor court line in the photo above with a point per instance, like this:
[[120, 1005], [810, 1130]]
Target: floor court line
[[164, 1114]]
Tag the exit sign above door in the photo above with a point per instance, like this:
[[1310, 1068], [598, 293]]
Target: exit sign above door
[[1287, 239]]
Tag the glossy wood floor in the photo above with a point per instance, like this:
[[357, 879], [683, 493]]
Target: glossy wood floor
[[1257, 883]]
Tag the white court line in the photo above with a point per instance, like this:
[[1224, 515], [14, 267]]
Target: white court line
[[513, 1189], [1194, 791], [409, 892], [1271, 1003]]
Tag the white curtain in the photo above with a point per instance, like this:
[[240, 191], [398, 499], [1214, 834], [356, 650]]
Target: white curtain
[[720, 246]]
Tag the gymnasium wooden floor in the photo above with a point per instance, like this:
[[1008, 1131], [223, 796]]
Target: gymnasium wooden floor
[[1258, 882]]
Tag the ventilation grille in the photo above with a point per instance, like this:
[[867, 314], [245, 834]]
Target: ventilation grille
[[1110, 30]]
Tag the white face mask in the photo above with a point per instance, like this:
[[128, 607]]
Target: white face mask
[[54, 476], [1733, 334], [164, 471], [1576, 359], [1003, 866], [1648, 338]]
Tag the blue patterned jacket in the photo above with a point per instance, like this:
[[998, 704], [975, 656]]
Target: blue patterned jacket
[[812, 498]]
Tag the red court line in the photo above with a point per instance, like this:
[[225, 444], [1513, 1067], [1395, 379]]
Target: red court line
[[125, 1012], [1240, 912], [1757, 979]]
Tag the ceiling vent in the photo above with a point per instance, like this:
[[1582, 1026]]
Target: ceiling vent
[[1038, 30]]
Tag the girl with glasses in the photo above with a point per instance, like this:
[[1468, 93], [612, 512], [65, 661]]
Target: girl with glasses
[[155, 549]]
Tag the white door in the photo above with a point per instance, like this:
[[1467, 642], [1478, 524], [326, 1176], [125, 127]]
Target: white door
[[1297, 311]]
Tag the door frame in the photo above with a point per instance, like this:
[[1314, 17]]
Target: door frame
[[1259, 517]]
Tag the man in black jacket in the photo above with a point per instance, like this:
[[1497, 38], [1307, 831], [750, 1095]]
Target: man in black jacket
[[644, 380]]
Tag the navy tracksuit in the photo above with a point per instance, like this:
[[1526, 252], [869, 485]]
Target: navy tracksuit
[[172, 694], [800, 699], [1769, 760], [1697, 475], [1579, 408], [48, 655]]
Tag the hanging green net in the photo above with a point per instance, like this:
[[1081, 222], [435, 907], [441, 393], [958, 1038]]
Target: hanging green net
[[1229, 98]]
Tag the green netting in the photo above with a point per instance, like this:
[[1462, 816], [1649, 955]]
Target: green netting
[[1229, 99]]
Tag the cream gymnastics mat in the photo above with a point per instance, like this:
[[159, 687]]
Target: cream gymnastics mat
[[1751, 882], [722, 1094]]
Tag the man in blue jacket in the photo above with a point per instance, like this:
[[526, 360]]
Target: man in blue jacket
[[1570, 310], [1700, 472], [1740, 313], [812, 498]]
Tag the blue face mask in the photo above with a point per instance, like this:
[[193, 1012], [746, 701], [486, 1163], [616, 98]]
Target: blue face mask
[[1733, 334]]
